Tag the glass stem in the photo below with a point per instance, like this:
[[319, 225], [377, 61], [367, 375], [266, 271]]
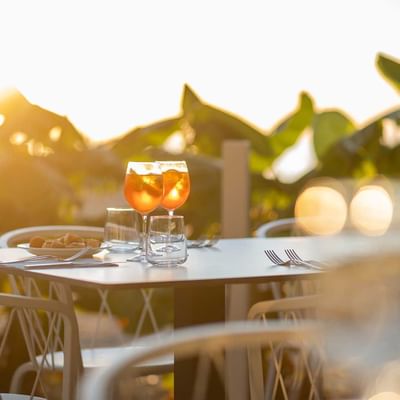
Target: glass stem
[[144, 233], [170, 214]]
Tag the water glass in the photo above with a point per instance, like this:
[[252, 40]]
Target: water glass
[[166, 241], [122, 230]]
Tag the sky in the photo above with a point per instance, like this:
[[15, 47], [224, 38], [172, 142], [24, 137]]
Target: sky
[[110, 66]]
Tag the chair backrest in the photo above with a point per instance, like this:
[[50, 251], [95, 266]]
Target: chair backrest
[[289, 306], [293, 372], [207, 343], [279, 227], [21, 235], [46, 323]]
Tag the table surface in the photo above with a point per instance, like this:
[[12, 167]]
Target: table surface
[[229, 261]]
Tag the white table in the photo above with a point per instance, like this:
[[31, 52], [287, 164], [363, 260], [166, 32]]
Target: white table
[[230, 261], [199, 284]]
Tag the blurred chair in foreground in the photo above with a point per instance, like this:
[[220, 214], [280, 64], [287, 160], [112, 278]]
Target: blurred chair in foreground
[[53, 343], [208, 344], [293, 372], [361, 325]]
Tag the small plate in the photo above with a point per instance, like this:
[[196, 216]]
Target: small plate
[[62, 252]]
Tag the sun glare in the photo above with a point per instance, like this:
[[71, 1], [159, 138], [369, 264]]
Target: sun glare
[[385, 396], [321, 210], [108, 81], [371, 210], [55, 133], [18, 138], [2, 119]]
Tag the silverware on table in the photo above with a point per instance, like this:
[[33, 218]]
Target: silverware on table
[[293, 256], [202, 242], [68, 264], [273, 256]]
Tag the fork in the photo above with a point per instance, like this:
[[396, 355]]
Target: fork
[[271, 254], [297, 260]]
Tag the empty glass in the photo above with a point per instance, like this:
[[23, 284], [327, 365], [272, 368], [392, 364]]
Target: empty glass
[[122, 230], [166, 241]]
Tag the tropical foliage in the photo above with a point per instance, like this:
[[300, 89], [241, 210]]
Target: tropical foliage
[[49, 168], [50, 173]]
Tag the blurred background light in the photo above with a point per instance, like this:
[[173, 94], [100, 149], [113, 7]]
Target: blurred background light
[[371, 210], [385, 396], [321, 210]]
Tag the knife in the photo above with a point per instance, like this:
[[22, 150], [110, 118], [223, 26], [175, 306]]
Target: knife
[[68, 264]]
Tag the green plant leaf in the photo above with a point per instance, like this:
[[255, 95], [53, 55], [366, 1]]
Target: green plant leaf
[[213, 126], [329, 128], [36, 123], [288, 131], [190, 101], [134, 143], [390, 69]]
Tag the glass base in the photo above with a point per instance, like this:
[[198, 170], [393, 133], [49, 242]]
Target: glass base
[[138, 258], [120, 246]]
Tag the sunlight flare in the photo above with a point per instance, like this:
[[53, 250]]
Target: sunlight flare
[[371, 210], [321, 210]]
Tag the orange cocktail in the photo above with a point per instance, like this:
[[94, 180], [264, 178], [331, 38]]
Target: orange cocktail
[[143, 192], [176, 184], [143, 189]]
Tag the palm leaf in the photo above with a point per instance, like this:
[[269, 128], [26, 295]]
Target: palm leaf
[[329, 128], [38, 124], [288, 131], [390, 69], [133, 144], [213, 126]]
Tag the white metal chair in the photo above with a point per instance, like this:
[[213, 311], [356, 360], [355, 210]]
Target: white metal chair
[[44, 348], [277, 227], [93, 357], [59, 317], [21, 235], [305, 377], [208, 343]]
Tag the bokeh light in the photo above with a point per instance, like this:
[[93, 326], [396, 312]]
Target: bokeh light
[[385, 396], [18, 138], [55, 133], [321, 210], [371, 210]]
